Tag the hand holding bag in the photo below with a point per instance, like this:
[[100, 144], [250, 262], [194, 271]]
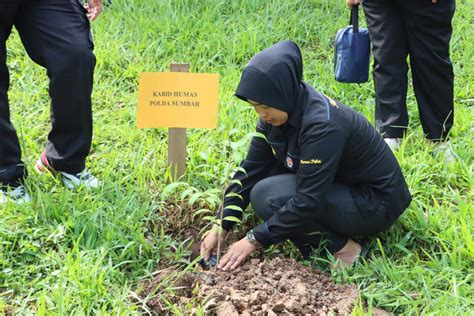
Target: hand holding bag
[[352, 52]]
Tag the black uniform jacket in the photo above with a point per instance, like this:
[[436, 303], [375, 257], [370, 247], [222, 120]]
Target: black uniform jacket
[[323, 142]]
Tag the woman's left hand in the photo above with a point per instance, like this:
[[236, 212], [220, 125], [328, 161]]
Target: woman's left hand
[[94, 7], [236, 254]]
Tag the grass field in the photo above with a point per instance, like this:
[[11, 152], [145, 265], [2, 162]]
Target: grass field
[[73, 253]]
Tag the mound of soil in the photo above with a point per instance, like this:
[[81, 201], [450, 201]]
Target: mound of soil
[[269, 287], [279, 286]]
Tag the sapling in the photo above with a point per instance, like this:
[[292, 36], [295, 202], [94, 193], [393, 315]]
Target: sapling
[[234, 146]]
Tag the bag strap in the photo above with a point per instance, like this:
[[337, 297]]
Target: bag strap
[[354, 19]]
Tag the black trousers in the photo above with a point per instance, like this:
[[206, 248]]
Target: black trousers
[[421, 29], [56, 35], [338, 221]]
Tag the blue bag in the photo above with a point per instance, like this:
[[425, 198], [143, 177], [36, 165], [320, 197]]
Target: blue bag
[[352, 53]]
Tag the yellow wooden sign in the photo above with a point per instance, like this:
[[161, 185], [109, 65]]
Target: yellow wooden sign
[[177, 99]]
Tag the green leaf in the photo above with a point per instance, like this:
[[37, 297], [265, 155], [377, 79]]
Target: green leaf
[[240, 169], [233, 194], [194, 198], [256, 134], [212, 219], [236, 181], [213, 200], [187, 192], [234, 207], [170, 188], [213, 191], [202, 210], [232, 219]]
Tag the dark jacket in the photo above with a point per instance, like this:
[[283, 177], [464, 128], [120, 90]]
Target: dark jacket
[[323, 142]]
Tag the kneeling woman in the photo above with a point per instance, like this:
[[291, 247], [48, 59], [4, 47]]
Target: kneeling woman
[[323, 172]]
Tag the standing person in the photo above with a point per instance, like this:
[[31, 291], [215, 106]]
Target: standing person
[[421, 29], [322, 172], [56, 35]]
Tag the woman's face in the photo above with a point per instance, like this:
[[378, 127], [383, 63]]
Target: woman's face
[[268, 114]]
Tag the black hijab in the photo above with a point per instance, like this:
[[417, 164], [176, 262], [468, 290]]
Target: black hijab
[[273, 77]]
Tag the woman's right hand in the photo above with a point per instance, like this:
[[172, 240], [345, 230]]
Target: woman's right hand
[[209, 244], [351, 3]]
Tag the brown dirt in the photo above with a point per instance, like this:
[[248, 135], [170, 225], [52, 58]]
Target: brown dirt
[[260, 287], [379, 312], [270, 287], [6, 310]]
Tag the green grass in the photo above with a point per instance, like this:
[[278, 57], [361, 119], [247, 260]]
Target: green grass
[[84, 253]]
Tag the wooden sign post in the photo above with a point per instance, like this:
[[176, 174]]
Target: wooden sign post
[[177, 139], [177, 100]]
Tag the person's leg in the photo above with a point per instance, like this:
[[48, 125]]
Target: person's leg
[[56, 34], [342, 214], [389, 48], [12, 170], [338, 220], [429, 30], [270, 194]]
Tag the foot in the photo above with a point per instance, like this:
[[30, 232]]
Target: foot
[[42, 165], [70, 180], [81, 179], [347, 255], [17, 195], [445, 150], [393, 143]]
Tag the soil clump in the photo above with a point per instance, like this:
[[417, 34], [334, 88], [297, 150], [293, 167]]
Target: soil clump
[[280, 286]]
